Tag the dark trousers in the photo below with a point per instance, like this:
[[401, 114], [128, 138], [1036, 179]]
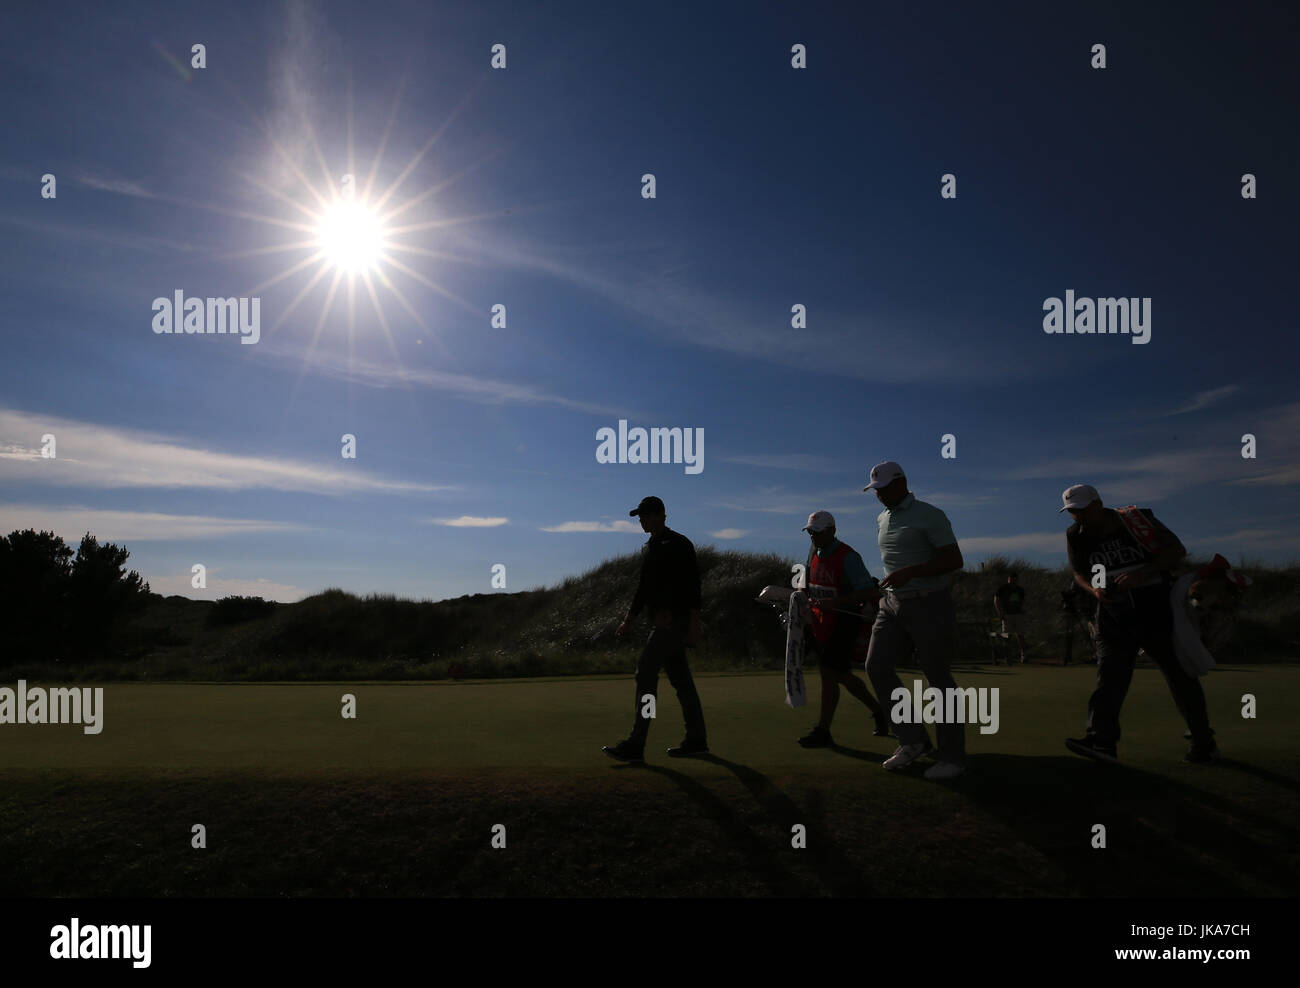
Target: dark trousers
[[664, 650], [1141, 619]]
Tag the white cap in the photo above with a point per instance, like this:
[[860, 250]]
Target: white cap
[[884, 474], [819, 521], [1078, 496]]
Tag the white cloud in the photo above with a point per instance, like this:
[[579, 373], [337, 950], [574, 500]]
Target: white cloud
[[130, 526], [469, 521], [730, 533], [93, 455], [594, 526]]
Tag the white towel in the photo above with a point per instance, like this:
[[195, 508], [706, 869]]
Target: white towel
[[800, 613], [1192, 653]]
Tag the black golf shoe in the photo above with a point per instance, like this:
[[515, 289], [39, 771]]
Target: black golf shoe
[[624, 751]]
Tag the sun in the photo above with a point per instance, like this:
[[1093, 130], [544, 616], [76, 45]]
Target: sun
[[351, 237]]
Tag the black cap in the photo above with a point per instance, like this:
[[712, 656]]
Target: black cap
[[648, 506]]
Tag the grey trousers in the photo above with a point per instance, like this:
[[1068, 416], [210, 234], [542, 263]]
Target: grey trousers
[[930, 623]]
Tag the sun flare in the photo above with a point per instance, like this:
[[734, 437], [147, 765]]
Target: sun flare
[[351, 237]]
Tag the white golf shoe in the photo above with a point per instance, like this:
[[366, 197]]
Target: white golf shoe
[[905, 754], [944, 770]]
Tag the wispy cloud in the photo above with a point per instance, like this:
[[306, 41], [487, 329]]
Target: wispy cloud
[[109, 184], [1004, 544], [943, 499], [779, 501], [71, 522], [1281, 477], [730, 533], [114, 238], [488, 391], [1204, 399], [655, 286], [469, 521], [594, 526], [93, 455], [787, 461], [1248, 538]]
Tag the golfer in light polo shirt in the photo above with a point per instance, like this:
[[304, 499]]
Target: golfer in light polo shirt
[[917, 552]]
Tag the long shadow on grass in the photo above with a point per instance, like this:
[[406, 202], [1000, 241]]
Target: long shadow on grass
[[834, 871], [858, 753], [759, 853], [1286, 782], [1164, 837]]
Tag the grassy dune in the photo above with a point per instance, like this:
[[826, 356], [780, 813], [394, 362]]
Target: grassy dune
[[566, 630]]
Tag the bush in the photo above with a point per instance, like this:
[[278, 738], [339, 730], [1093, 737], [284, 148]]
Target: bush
[[54, 603], [237, 610]]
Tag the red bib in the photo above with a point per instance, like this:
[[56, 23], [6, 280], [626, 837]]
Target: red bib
[[826, 579]]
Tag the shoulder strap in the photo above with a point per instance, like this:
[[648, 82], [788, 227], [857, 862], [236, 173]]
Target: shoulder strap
[[1140, 527]]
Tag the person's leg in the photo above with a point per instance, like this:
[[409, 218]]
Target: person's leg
[[657, 648], [1155, 635], [836, 663], [830, 692], [1116, 654], [841, 648], [889, 647], [931, 622], [679, 675], [857, 688]]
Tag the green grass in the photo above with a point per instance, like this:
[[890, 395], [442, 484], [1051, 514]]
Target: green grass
[[401, 801]]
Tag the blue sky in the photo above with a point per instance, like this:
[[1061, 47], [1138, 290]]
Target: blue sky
[[522, 187]]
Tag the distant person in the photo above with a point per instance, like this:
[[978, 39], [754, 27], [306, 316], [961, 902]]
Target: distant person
[[669, 590], [1009, 602], [838, 585], [917, 551], [1133, 611]]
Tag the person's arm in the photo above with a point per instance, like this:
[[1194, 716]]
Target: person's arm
[[946, 559], [1079, 567], [638, 601], [694, 601], [1086, 584]]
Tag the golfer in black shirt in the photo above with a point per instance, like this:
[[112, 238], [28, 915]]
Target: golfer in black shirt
[[670, 591]]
